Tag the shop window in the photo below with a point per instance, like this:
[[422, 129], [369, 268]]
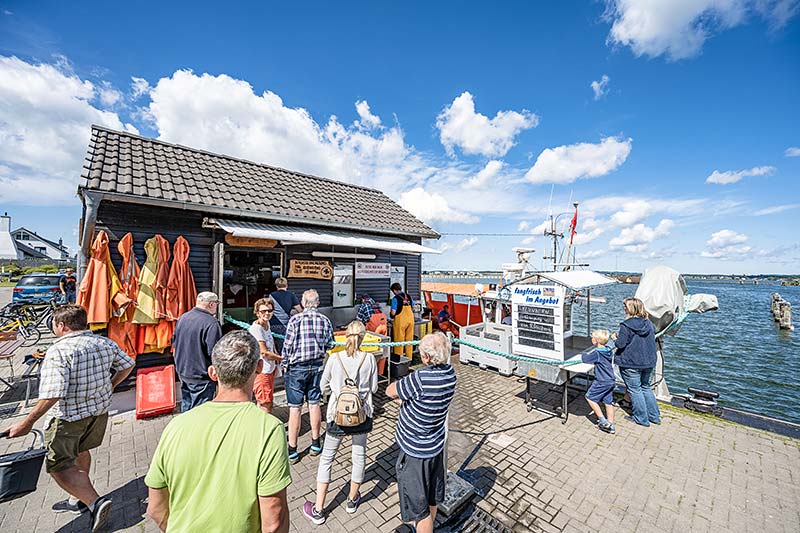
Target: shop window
[[246, 277]]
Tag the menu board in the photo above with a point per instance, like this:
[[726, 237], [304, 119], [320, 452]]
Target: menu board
[[538, 320]]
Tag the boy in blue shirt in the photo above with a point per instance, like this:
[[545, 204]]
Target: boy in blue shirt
[[602, 388]]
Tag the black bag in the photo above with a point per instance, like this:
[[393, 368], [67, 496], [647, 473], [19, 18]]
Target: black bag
[[19, 471]]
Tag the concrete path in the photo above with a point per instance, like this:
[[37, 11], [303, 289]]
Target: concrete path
[[691, 473]]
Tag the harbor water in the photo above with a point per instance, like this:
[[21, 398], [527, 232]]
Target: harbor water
[[737, 350]]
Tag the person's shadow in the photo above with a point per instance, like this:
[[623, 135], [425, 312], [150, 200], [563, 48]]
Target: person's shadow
[[129, 507]]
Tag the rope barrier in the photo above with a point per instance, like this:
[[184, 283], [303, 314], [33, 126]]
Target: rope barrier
[[455, 340]]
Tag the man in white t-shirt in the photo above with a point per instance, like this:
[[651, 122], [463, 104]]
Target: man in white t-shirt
[[264, 387]]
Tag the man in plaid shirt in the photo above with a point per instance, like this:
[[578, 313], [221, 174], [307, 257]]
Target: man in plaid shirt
[[75, 389], [308, 336]]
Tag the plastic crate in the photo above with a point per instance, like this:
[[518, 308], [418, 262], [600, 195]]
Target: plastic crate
[[155, 391]]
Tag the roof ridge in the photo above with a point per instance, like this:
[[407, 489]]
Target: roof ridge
[[48, 241], [232, 158]]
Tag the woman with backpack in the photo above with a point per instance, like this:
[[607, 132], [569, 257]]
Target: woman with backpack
[[352, 378]]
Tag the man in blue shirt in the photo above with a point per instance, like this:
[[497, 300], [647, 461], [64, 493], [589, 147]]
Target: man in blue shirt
[[196, 333], [425, 395]]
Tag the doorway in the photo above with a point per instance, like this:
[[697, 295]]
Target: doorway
[[248, 275]]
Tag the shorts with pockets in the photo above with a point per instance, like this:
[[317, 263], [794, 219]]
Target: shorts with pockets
[[420, 485], [66, 440], [264, 388], [302, 383], [601, 392]]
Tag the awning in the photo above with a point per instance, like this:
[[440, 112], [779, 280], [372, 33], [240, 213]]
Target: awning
[[288, 236], [577, 279]]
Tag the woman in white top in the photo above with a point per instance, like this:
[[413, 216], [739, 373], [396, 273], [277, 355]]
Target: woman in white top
[[264, 387], [333, 379]]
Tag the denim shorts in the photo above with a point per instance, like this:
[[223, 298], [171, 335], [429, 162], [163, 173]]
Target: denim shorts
[[302, 383], [601, 392]]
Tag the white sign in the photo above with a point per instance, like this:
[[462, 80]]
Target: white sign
[[538, 320], [343, 286], [398, 275], [373, 270]]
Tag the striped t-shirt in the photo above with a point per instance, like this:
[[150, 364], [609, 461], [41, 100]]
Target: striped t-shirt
[[426, 396]]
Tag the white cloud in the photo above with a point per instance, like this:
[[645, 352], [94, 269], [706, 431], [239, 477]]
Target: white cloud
[[460, 126], [139, 87], [368, 120], [792, 151], [585, 237], [465, 244], [776, 209], [45, 118], [523, 226], [678, 28], [638, 237], [732, 176], [431, 207], [109, 96], [631, 213], [590, 254], [565, 164], [486, 175], [535, 231], [600, 87], [726, 243]]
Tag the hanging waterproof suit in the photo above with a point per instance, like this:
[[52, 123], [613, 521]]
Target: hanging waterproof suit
[[146, 296], [101, 292], [403, 325], [165, 328], [155, 334], [121, 329], [181, 290]]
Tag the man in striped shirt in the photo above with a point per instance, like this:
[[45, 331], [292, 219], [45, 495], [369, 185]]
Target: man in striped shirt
[[425, 395]]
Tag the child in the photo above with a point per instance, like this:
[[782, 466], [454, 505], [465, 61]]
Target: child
[[602, 388]]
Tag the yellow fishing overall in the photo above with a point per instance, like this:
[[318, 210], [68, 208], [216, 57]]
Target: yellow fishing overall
[[403, 329]]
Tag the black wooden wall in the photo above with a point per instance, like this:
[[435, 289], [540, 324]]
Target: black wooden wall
[[118, 218]]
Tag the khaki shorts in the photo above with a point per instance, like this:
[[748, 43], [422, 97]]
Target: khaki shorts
[[66, 440]]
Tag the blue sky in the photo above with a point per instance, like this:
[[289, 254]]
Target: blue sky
[[471, 115]]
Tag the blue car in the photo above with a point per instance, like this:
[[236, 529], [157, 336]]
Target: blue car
[[37, 287]]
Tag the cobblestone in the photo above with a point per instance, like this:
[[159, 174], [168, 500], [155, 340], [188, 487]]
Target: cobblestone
[[530, 471]]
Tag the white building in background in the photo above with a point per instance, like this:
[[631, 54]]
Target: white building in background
[[23, 243], [29, 239], [8, 246]]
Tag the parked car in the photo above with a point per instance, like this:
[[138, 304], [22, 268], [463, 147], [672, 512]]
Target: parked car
[[37, 286]]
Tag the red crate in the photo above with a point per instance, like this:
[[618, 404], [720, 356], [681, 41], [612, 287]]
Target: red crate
[[155, 391]]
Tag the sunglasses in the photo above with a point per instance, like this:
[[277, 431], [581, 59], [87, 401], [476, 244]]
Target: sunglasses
[[262, 311]]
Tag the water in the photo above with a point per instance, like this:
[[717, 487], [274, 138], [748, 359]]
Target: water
[[737, 351]]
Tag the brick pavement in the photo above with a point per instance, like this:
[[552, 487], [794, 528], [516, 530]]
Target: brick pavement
[[692, 473]]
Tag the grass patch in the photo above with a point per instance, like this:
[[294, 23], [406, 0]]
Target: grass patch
[[8, 283]]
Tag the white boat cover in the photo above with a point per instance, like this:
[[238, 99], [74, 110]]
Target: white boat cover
[[663, 291], [290, 235], [577, 279], [665, 296]]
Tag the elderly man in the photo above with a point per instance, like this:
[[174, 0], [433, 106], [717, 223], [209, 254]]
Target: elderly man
[[223, 466], [308, 336], [425, 395], [196, 333], [75, 389]]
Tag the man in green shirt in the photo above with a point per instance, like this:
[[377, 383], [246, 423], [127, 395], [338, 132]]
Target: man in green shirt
[[223, 466]]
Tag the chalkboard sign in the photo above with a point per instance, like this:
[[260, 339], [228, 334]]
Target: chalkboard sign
[[539, 320]]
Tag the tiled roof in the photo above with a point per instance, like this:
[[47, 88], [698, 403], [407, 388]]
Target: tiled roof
[[149, 169]]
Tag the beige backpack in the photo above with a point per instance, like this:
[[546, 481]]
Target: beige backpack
[[349, 406]]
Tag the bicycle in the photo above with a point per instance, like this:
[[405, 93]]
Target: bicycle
[[31, 335]]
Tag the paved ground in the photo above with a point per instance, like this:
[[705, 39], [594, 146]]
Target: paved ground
[[692, 473]]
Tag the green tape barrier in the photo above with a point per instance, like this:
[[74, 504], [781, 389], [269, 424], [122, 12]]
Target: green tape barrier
[[456, 340]]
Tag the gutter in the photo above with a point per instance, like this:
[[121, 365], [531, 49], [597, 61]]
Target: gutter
[[91, 202], [238, 213]]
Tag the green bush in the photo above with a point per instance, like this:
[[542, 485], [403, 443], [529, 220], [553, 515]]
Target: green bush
[[43, 269], [13, 270]]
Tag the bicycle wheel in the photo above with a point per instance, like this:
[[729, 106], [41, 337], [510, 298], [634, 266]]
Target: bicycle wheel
[[31, 335], [49, 323]]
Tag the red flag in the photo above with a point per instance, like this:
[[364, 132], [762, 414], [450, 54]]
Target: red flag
[[573, 226]]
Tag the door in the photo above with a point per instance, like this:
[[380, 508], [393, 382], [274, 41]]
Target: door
[[218, 262]]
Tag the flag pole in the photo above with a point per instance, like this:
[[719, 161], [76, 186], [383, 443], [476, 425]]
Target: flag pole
[[572, 227]]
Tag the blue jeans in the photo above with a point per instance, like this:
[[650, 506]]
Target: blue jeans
[[302, 382], [645, 406], [194, 394]]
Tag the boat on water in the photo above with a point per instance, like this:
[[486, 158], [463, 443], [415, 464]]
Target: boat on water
[[528, 314]]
